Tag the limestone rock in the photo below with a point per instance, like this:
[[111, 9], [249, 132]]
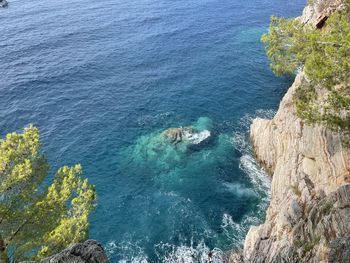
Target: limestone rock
[[234, 258], [88, 252], [177, 134], [319, 10], [308, 216], [340, 250]]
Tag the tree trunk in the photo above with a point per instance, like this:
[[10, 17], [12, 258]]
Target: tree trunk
[[3, 255]]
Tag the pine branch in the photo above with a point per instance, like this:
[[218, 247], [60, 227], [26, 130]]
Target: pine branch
[[17, 230]]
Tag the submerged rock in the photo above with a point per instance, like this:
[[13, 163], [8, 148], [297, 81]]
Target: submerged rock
[[3, 3]]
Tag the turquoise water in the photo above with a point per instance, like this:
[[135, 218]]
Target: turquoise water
[[104, 79]]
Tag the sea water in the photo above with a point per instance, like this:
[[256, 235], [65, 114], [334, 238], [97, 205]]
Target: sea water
[[104, 79]]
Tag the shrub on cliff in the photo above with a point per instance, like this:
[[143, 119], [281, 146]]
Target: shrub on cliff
[[324, 54], [37, 220]]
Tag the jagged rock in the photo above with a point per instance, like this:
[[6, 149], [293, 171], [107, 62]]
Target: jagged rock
[[3, 3], [177, 134], [318, 12], [310, 203], [340, 250], [310, 169], [88, 252], [234, 258], [294, 212]]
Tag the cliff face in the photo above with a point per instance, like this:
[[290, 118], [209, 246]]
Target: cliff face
[[308, 219], [318, 10], [310, 195]]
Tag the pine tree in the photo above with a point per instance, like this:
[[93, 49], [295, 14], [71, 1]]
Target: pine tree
[[324, 55], [38, 219]]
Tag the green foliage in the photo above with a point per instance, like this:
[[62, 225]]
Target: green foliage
[[326, 207], [38, 220], [324, 96], [295, 189], [285, 45], [311, 244], [306, 245]]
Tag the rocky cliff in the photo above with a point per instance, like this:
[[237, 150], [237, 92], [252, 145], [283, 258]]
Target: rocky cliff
[[308, 219]]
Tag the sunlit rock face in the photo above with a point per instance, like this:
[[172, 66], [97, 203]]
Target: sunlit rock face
[[319, 10], [308, 216]]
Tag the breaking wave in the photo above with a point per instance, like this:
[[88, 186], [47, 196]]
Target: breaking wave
[[132, 252], [197, 138], [188, 254], [248, 164]]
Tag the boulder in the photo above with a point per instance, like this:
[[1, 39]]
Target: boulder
[[176, 135], [88, 252]]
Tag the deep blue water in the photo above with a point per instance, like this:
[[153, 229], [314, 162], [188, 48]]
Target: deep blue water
[[102, 79]]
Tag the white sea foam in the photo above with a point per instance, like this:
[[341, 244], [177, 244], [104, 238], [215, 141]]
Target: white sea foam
[[188, 254], [238, 189], [196, 138], [260, 181], [233, 231], [256, 174], [167, 253], [130, 251]]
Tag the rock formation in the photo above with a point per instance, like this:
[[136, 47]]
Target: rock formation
[[308, 219], [3, 3], [186, 134], [88, 252], [318, 11], [177, 134]]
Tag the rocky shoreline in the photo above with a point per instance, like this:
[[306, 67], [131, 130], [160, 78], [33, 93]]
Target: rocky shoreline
[[308, 217]]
